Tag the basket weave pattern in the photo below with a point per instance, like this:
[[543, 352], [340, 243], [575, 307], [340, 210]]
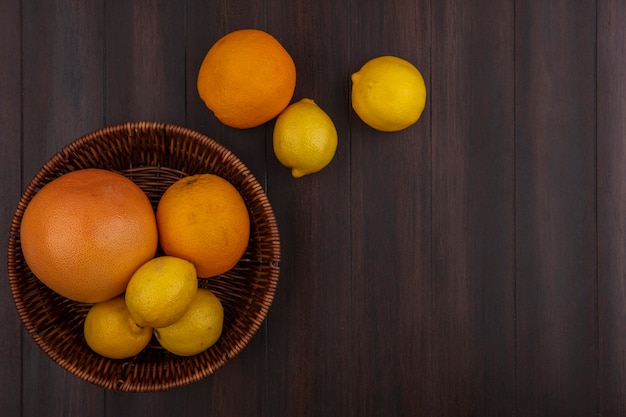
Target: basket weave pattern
[[154, 156]]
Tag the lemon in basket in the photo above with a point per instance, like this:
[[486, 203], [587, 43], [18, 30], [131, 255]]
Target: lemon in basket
[[161, 290], [111, 331], [198, 329]]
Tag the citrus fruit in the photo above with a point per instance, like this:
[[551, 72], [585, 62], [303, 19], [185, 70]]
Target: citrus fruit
[[204, 219], [246, 78], [85, 233], [388, 93], [160, 291], [305, 138], [198, 329], [110, 330]]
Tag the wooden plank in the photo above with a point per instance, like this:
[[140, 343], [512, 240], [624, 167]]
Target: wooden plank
[[207, 22], [471, 265], [63, 89], [391, 290], [145, 81], [10, 189], [611, 195], [310, 343], [555, 203], [145, 62], [472, 309], [188, 30], [246, 373], [62, 99]]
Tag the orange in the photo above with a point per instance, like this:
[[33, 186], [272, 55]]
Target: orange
[[85, 233], [202, 218], [247, 78]]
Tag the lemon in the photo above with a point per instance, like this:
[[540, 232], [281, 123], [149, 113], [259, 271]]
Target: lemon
[[388, 93], [111, 331], [305, 138], [160, 291], [198, 329]]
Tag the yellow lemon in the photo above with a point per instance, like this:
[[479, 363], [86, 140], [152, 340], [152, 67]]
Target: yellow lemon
[[111, 331], [161, 290], [198, 329], [388, 93], [305, 138]]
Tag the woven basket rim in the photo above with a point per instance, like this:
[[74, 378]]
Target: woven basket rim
[[262, 258]]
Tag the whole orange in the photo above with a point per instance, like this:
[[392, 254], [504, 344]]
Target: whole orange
[[85, 233], [247, 78], [203, 218]]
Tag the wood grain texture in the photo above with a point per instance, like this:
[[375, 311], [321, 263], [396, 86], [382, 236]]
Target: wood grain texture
[[473, 214], [470, 265], [62, 89], [206, 23], [390, 227], [555, 204], [10, 189], [62, 99], [144, 66], [611, 205], [145, 81], [310, 368]]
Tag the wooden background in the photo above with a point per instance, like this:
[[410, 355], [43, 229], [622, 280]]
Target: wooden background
[[471, 265]]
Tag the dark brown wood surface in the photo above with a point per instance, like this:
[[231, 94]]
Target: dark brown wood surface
[[472, 265]]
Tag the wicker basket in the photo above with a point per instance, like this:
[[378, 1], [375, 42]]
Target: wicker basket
[[153, 155]]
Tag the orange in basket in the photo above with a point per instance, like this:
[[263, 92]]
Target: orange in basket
[[85, 233], [153, 156], [204, 219]]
